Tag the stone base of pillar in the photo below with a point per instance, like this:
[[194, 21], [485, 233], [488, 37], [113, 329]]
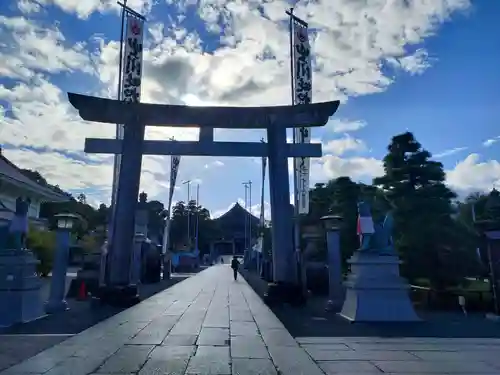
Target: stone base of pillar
[[166, 273], [52, 307], [279, 293], [375, 292], [333, 306], [119, 296], [19, 288]]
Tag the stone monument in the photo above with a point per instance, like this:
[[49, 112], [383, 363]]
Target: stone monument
[[375, 292], [19, 284]]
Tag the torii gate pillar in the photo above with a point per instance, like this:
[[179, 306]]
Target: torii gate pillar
[[284, 264]]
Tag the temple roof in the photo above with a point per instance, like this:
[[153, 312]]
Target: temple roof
[[237, 212], [119, 112], [9, 172]]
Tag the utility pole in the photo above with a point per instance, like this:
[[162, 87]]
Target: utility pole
[[188, 183]]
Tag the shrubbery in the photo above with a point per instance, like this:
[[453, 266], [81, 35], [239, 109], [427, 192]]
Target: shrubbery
[[43, 245]]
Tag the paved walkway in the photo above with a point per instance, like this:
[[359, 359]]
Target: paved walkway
[[404, 356], [209, 324]]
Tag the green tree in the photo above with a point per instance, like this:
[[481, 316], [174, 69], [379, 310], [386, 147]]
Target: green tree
[[82, 199], [425, 231], [207, 231], [156, 217], [338, 196]]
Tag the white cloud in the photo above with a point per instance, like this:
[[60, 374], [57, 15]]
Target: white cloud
[[471, 174], [214, 164], [80, 176], [28, 6], [414, 64], [342, 145], [28, 47], [491, 141], [449, 152], [342, 126], [83, 9], [358, 168]]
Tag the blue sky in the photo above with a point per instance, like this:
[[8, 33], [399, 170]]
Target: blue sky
[[430, 67]]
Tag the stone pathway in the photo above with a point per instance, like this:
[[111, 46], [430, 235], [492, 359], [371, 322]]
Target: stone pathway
[[209, 324], [404, 356]]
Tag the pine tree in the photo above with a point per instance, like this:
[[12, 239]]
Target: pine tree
[[425, 230]]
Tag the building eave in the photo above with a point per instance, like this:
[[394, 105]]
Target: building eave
[[41, 192], [12, 174]]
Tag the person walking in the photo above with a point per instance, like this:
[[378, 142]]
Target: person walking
[[235, 265]]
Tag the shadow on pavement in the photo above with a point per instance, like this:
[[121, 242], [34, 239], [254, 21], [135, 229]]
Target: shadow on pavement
[[82, 314]]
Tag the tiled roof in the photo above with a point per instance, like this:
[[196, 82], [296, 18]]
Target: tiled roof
[[237, 213], [10, 172]]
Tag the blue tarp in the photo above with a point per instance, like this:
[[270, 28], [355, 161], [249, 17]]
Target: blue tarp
[[176, 257]]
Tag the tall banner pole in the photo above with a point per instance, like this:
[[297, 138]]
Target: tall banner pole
[[197, 215], [130, 75], [301, 90], [119, 128], [302, 83], [296, 231], [129, 90], [245, 247], [174, 169], [260, 244], [250, 216]]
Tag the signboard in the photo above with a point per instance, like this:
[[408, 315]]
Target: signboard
[[302, 81], [131, 78]]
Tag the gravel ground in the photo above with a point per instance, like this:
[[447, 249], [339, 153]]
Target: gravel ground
[[313, 320]]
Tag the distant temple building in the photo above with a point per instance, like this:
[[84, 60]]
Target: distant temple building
[[14, 184], [232, 229]]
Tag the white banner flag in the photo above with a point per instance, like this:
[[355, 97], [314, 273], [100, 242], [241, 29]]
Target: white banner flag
[[302, 80], [131, 78], [174, 168]]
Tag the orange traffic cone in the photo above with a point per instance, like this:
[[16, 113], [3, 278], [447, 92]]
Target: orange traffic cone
[[82, 291]]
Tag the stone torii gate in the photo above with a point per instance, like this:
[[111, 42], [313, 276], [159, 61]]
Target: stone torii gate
[[136, 116]]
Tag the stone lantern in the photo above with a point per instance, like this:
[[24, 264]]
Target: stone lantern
[[57, 302], [312, 234], [332, 225]]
